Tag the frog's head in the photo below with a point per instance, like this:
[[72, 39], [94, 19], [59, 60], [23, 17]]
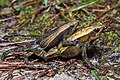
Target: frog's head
[[84, 31]]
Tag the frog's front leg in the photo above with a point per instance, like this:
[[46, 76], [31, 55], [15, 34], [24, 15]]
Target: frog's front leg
[[84, 54], [83, 47]]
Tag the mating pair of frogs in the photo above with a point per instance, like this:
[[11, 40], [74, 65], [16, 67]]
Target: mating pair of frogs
[[68, 44]]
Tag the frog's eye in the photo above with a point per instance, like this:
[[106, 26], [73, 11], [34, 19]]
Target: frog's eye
[[72, 26], [96, 30]]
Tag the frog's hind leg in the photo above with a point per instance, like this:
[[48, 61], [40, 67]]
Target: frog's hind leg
[[34, 52]]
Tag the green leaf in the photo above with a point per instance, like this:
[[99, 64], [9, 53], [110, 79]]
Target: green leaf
[[84, 0], [95, 75], [87, 3]]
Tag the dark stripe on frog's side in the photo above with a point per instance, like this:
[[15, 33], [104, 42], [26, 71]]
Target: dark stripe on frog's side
[[54, 37]]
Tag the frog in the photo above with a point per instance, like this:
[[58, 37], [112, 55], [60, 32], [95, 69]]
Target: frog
[[84, 38]]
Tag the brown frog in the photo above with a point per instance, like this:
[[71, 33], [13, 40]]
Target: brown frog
[[84, 36]]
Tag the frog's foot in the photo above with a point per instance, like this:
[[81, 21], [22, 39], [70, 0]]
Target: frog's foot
[[85, 57], [26, 56], [39, 53]]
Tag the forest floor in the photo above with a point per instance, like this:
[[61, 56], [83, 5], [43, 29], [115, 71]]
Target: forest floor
[[22, 22]]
